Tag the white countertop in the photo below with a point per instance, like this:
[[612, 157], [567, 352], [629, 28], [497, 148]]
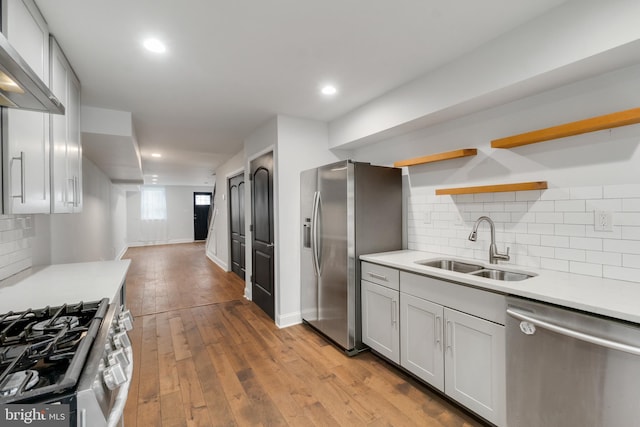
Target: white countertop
[[608, 297], [62, 284]]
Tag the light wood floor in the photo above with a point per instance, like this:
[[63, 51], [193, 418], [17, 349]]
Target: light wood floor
[[204, 356]]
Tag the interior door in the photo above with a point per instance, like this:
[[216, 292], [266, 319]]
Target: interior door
[[262, 285], [201, 207], [236, 224]]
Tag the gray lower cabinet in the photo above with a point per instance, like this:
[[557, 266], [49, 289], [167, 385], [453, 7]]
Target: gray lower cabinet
[[459, 354], [380, 295], [422, 338], [475, 364], [449, 335], [380, 326]]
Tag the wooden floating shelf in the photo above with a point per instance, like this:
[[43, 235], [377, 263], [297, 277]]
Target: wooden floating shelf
[[608, 121], [456, 154], [522, 186]]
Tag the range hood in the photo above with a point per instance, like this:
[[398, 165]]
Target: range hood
[[20, 86]]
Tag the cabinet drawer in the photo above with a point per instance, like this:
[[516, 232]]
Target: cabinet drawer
[[477, 302], [385, 276]]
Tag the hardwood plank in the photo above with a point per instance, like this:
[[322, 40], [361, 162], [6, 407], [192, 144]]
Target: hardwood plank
[[270, 373], [233, 390], [149, 413], [497, 188], [199, 417], [180, 345], [171, 410], [149, 388], [219, 411], [455, 154], [192, 396], [607, 121], [167, 369]]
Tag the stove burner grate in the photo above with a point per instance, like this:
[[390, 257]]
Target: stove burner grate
[[56, 324], [52, 342], [18, 382]]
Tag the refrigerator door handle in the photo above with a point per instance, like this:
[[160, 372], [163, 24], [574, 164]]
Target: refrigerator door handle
[[314, 232]]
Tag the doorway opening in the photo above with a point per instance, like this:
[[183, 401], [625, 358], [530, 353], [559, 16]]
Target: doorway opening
[[201, 208]]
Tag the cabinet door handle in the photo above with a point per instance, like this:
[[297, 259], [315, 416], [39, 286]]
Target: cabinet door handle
[[76, 191], [394, 311], [73, 192], [378, 276], [22, 195], [437, 325], [449, 336]]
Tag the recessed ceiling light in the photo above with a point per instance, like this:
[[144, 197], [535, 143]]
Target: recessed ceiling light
[[154, 45], [154, 176], [329, 90], [156, 155]]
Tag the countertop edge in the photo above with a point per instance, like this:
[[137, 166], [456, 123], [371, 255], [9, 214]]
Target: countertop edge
[[605, 297], [59, 284]]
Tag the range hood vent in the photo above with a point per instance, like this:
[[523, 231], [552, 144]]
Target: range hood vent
[[20, 86]]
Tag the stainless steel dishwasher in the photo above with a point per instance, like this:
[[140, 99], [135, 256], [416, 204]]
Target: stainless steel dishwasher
[[567, 368]]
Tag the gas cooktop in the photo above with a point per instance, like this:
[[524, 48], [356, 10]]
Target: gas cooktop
[[43, 351]]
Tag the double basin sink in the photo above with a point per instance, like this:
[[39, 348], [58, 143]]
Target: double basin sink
[[475, 269]]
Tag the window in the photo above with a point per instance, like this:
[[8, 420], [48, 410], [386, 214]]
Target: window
[[203, 199], [153, 203]]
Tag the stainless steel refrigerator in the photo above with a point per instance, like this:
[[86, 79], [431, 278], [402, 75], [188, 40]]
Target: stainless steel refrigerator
[[347, 209]]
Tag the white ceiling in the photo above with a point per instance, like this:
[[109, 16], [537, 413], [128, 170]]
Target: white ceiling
[[231, 65]]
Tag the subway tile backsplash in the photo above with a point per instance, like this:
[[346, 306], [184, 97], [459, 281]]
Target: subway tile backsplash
[[16, 235], [550, 229]]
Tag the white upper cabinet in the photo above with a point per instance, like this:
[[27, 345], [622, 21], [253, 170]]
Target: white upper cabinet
[[66, 148], [26, 182]]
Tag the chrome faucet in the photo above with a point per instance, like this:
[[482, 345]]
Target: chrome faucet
[[494, 255]]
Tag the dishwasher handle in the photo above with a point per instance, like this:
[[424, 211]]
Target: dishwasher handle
[[602, 342]]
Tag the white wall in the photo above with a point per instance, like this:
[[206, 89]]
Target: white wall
[[85, 236], [301, 145], [177, 228], [218, 247], [552, 229], [119, 220]]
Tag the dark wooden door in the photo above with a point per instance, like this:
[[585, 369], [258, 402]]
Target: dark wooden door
[[236, 228], [262, 285], [201, 207]]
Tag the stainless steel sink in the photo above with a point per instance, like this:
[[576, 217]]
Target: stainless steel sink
[[507, 276], [451, 265]]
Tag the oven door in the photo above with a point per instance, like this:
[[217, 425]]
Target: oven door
[[567, 368]]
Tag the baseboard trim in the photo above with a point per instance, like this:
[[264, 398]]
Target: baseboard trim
[[122, 252], [162, 242], [290, 319], [223, 265]]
